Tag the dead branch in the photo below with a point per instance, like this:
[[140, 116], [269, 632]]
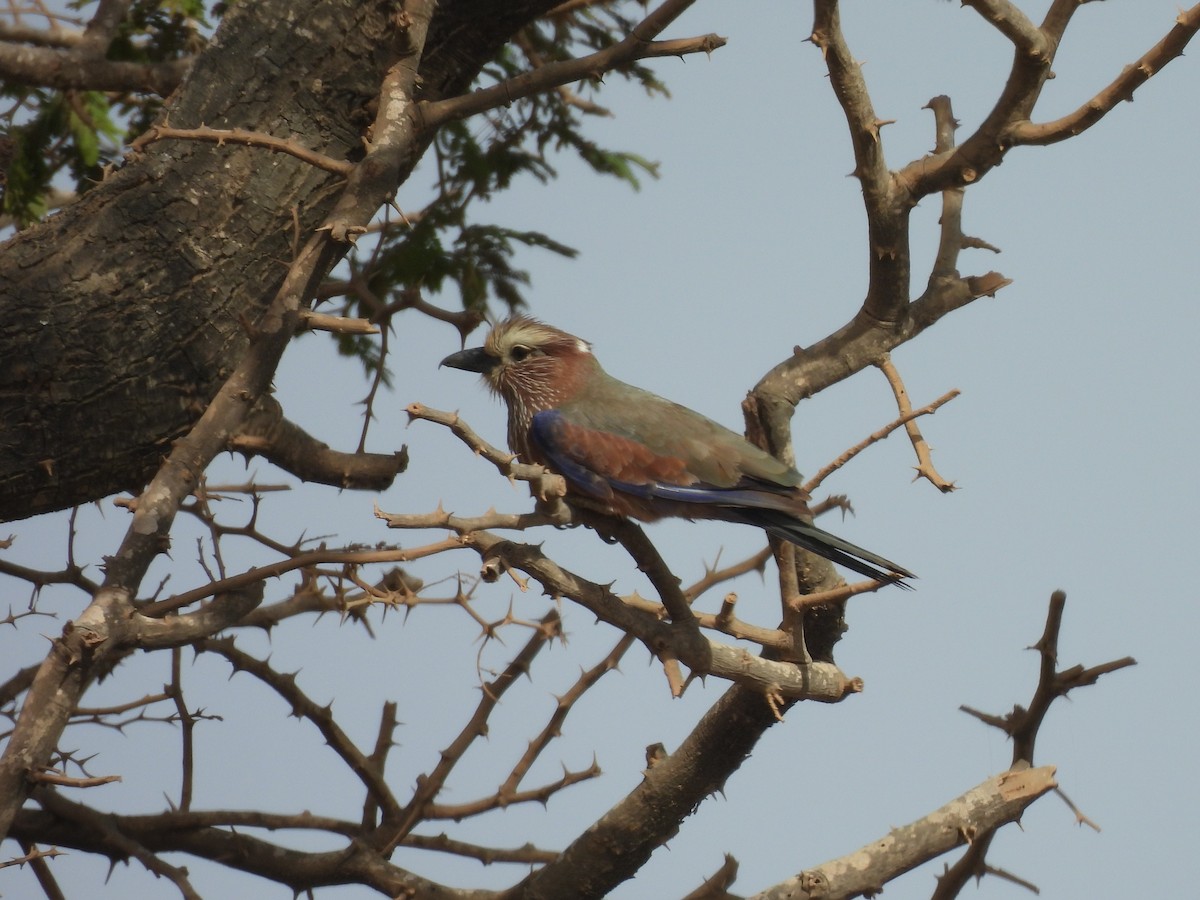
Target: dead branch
[[216, 836], [266, 432], [887, 209], [1011, 22], [187, 726], [566, 703], [62, 780], [302, 706], [1080, 818], [1121, 88], [547, 486], [282, 567], [33, 853], [714, 576], [1022, 726], [950, 242], [727, 623], [384, 742], [38, 578], [820, 681], [114, 839], [648, 560], [541, 795], [716, 886], [1008, 124], [442, 843], [875, 437], [400, 822], [999, 800], [336, 324], [617, 845], [925, 468]]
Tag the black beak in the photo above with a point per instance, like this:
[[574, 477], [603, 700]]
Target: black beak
[[474, 360]]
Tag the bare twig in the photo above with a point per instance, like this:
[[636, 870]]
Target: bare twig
[[283, 566], [813, 483], [1010, 21], [716, 886], [548, 487], [566, 702], [887, 210], [321, 716], [648, 560], [400, 822], [714, 576], [58, 778], [541, 794], [187, 725], [336, 324], [36, 858], [925, 468], [243, 136], [1080, 818], [268, 433], [527, 854], [640, 43], [820, 681], [1022, 726]]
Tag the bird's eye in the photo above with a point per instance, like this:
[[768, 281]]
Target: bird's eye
[[520, 353]]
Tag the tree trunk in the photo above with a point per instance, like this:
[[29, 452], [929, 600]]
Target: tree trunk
[[124, 312]]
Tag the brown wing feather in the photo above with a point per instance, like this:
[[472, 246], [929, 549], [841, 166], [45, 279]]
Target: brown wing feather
[[620, 458]]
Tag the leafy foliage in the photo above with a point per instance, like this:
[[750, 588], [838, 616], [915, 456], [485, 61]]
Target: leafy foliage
[[65, 138], [445, 246]]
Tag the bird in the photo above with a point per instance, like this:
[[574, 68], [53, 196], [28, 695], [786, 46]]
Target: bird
[[631, 453]]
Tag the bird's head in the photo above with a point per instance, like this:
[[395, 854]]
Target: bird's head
[[529, 363]]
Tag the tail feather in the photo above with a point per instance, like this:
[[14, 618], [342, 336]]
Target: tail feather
[[830, 546]]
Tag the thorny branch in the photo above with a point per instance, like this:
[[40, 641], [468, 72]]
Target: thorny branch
[[924, 466], [763, 688], [823, 682], [640, 43], [402, 820], [998, 801], [548, 487], [1022, 726], [222, 136], [908, 415], [321, 716], [681, 643], [105, 627], [888, 317]]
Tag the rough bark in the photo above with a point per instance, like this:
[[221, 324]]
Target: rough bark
[[617, 845], [124, 312]]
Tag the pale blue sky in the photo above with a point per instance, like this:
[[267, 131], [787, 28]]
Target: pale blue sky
[[1073, 443]]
